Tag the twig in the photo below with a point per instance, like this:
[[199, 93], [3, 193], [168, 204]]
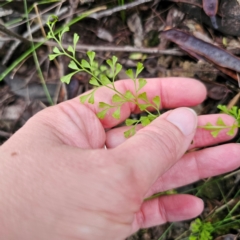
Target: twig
[[5, 134], [26, 34], [29, 51], [83, 47], [13, 34], [43, 31], [4, 12], [34, 15], [118, 9]]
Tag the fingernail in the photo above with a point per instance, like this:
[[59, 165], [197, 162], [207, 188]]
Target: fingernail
[[185, 119]]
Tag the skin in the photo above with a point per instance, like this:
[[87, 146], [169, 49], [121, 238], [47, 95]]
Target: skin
[[59, 183]]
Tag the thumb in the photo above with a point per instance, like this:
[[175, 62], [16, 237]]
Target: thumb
[[156, 147]]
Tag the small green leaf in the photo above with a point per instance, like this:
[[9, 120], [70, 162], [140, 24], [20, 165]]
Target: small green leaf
[[91, 99], [94, 82], [102, 114], [136, 56], [109, 73], [52, 56], [95, 65], [95, 73], [234, 111], [66, 29], [104, 80], [116, 113], [215, 133], [103, 68], [152, 117], [129, 72], [75, 39], [56, 50], [67, 78], [91, 56], [52, 19], [114, 60], [85, 64], [103, 105], [129, 95], [116, 98], [192, 238], [142, 107], [118, 69], [130, 132], [70, 49], [144, 121], [127, 133], [73, 65], [84, 98], [220, 122], [109, 62], [143, 96], [141, 83], [231, 132], [156, 101], [130, 122], [223, 108], [139, 68], [49, 35]]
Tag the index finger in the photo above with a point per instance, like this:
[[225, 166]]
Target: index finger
[[174, 92]]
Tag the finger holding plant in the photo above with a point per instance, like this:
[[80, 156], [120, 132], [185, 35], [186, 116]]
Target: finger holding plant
[[105, 76]]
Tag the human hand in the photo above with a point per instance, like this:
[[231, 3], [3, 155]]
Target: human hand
[[58, 181]]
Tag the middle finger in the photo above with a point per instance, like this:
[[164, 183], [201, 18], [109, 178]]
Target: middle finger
[[202, 137]]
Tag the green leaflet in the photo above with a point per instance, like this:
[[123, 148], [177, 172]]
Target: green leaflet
[[156, 101], [102, 114], [139, 68], [67, 78], [130, 132], [130, 122], [129, 95], [116, 113], [141, 83], [73, 65], [94, 82], [143, 96], [116, 98]]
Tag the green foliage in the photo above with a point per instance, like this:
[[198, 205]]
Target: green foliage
[[234, 112], [201, 230], [104, 76], [220, 125]]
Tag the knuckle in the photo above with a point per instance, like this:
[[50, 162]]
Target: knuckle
[[164, 140]]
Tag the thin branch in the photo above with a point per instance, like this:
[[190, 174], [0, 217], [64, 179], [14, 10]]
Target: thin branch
[[13, 34], [118, 9], [26, 34], [83, 47], [34, 15]]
